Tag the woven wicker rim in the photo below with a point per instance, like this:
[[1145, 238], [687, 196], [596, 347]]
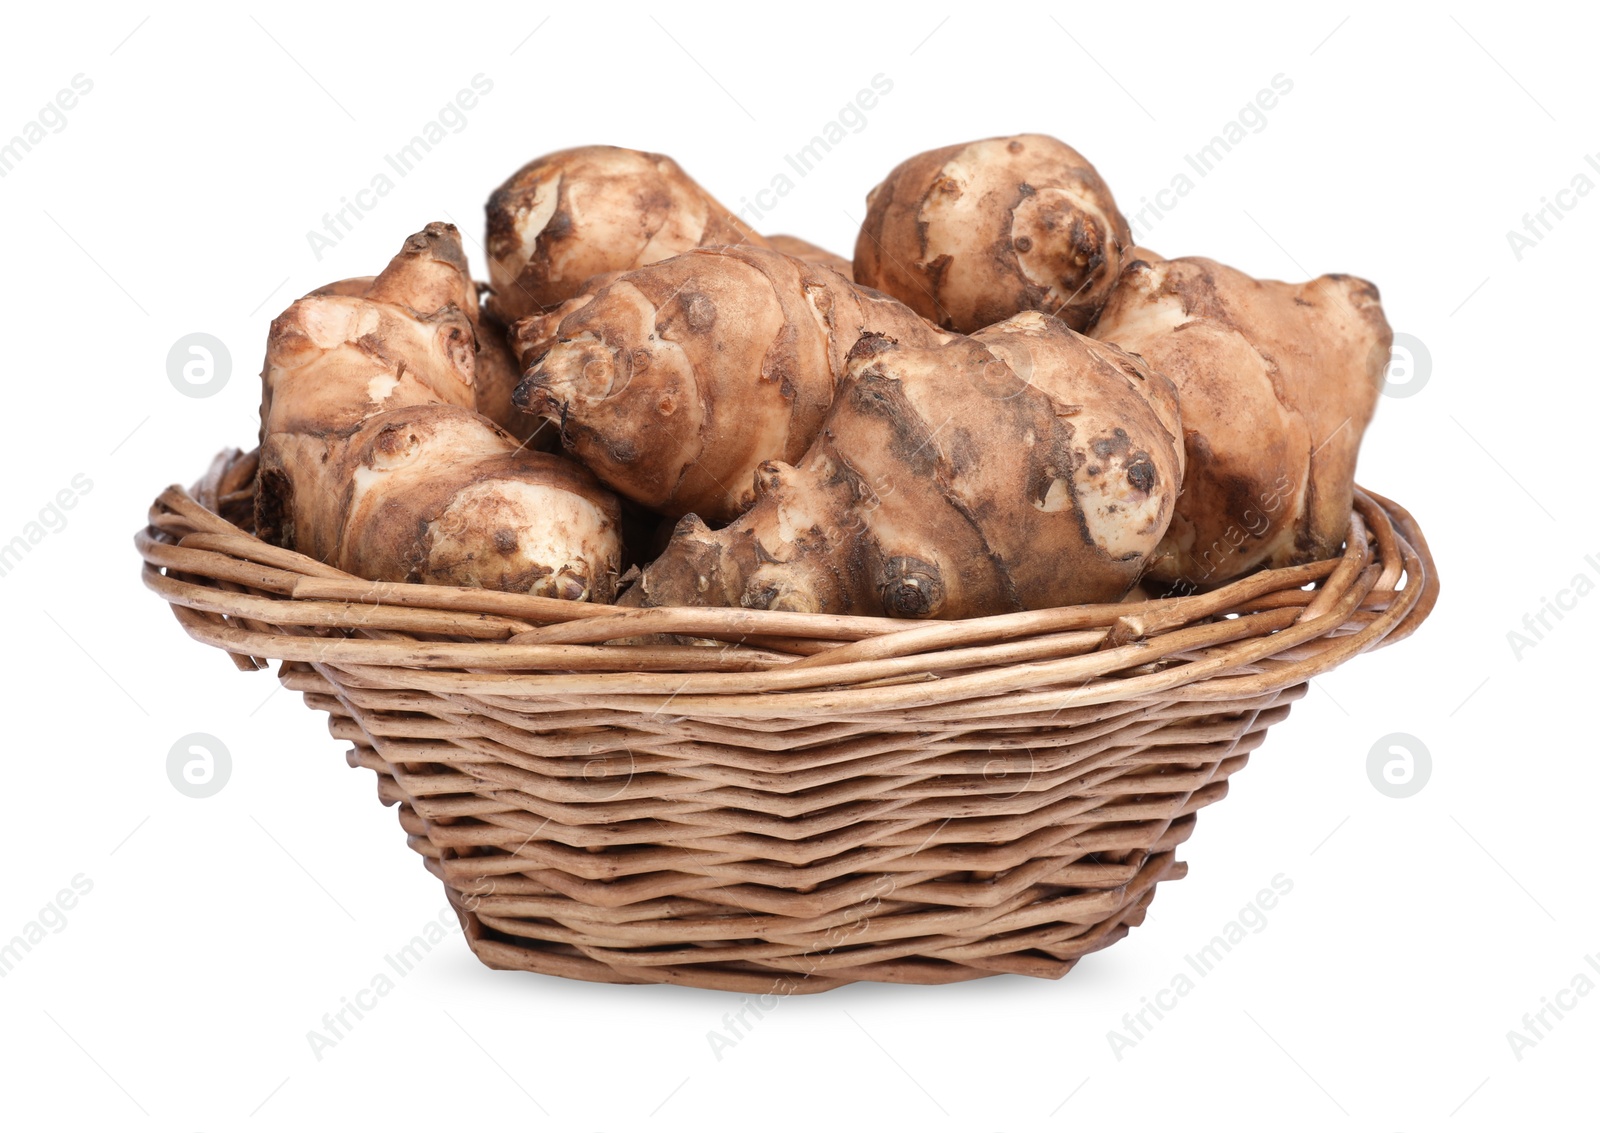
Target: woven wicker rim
[[1270, 630]]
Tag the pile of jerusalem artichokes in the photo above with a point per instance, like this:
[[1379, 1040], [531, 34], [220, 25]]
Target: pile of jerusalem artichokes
[[1000, 404]]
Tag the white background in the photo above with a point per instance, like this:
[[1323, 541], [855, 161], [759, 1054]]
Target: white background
[[218, 931]]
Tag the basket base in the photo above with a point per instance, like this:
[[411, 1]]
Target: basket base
[[504, 953], [1109, 806]]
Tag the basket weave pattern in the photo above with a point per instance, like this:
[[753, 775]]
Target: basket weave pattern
[[790, 802]]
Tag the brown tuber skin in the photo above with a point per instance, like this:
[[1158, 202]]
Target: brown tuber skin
[[498, 375], [1278, 382], [1024, 467], [810, 253], [675, 381], [569, 216], [972, 234], [532, 336], [496, 372], [374, 459]]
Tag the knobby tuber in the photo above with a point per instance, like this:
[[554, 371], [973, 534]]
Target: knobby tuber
[[496, 373], [1277, 383], [569, 216], [675, 381], [1024, 467], [971, 234], [375, 460]]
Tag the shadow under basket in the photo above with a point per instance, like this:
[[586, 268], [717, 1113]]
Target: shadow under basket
[[815, 800]]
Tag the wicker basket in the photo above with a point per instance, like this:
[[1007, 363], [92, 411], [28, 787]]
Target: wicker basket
[[817, 801]]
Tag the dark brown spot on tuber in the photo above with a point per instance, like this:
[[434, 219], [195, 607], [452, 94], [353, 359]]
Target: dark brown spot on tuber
[[911, 588], [556, 228], [870, 345], [935, 269], [1142, 473], [759, 597], [1114, 445], [273, 495]]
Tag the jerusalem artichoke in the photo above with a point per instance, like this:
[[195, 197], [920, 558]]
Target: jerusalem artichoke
[[676, 380], [1277, 383], [1024, 467], [569, 216], [971, 234], [373, 458], [496, 373]]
